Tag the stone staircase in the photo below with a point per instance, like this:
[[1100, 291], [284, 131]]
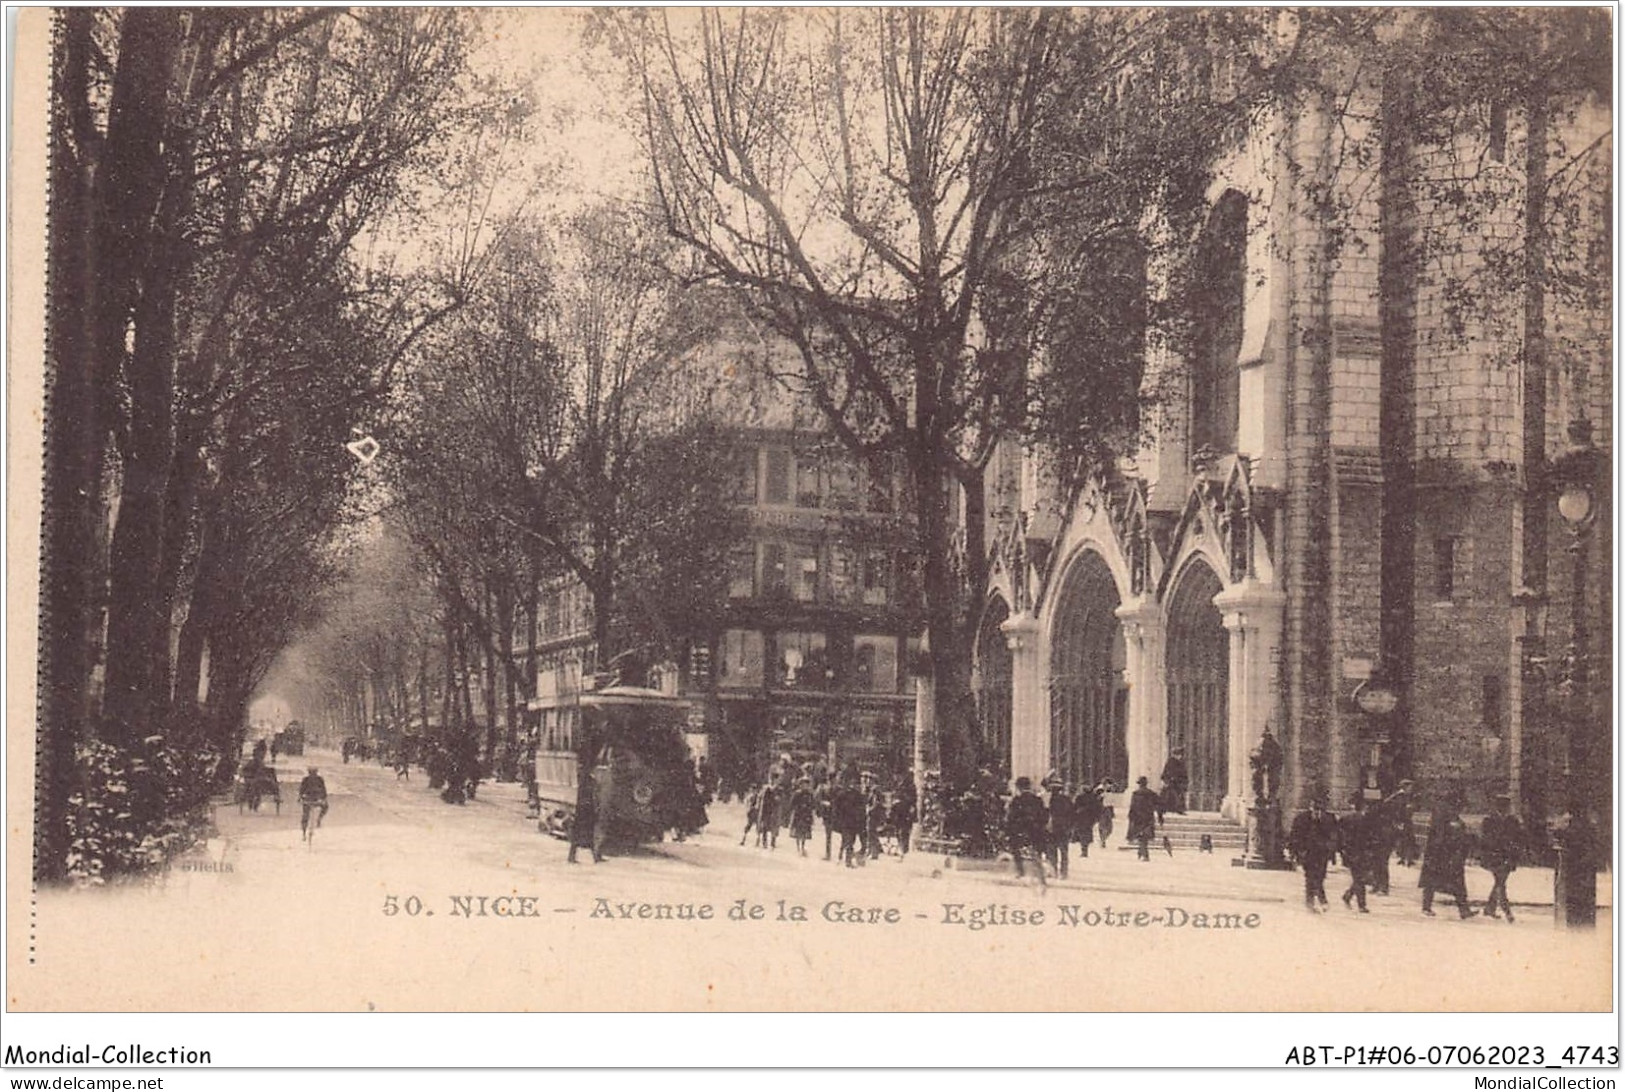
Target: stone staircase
[[1184, 834]]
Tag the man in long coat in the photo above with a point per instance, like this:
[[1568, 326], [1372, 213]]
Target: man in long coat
[[847, 809], [1061, 817], [1176, 779], [1444, 861], [1359, 834], [1500, 845], [1314, 843], [1024, 824], [1142, 817], [1085, 814]]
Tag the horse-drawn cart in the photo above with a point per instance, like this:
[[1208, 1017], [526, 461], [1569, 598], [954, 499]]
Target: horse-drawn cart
[[253, 785]]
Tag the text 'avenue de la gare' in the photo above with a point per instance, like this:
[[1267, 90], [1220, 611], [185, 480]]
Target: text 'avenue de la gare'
[[973, 917]]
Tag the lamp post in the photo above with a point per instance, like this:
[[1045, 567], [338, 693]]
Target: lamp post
[[1575, 884]]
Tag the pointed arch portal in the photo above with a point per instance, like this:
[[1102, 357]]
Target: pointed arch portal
[[1088, 693], [1198, 667], [994, 672]]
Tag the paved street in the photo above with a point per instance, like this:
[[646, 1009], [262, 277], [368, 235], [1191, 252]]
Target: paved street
[[399, 904]]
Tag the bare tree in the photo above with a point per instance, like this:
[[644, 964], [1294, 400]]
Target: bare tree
[[913, 197]]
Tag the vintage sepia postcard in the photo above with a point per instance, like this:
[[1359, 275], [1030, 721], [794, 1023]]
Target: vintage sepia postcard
[[812, 510]]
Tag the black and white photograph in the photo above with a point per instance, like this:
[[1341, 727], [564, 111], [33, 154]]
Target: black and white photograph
[[1096, 510]]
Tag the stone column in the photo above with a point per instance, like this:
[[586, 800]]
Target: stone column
[[925, 723], [1029, 698], [1253, 614], [1145, 671]]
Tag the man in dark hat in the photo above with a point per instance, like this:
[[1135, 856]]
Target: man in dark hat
[[1500, 839], [1444, 861], [1106, 819], [1176, 780], [847, 810], [1142, 817], [1358, 837], [1058, 836], [1313, 842], [1085, 814], [1024, 823]]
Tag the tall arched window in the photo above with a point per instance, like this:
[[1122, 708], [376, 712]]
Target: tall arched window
[[1218, 302]]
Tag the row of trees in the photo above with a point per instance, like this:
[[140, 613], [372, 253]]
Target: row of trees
[[566, 427], [212, 340]]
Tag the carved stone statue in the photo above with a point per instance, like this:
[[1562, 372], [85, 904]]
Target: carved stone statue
[[1266, 762]]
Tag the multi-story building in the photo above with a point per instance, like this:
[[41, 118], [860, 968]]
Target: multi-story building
[[822, 619], [813, 652], [1348, 527]]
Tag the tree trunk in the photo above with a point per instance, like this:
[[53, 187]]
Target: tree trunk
[[510, 728], [448, 699], [1397, 271], [952, 735], [132, 177], [425, 665], [72, 563], [488, 693]]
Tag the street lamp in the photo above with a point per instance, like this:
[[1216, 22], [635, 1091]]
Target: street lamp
[[1575, 884]]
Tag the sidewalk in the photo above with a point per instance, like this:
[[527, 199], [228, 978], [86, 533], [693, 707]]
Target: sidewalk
[[1117, 870], [1194, 874]]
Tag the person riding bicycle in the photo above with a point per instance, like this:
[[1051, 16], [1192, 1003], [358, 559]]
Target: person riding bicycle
[[313, 793]]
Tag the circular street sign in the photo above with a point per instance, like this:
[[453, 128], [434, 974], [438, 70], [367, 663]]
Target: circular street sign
[[1376, 698]]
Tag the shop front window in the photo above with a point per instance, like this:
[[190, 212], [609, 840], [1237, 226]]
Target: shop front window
[[874, 663], [802, 661], [741, 658]]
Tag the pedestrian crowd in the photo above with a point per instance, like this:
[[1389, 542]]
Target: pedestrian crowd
[[851, 804], [1372, 833]]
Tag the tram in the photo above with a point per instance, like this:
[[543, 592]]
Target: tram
[[631, 739]]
